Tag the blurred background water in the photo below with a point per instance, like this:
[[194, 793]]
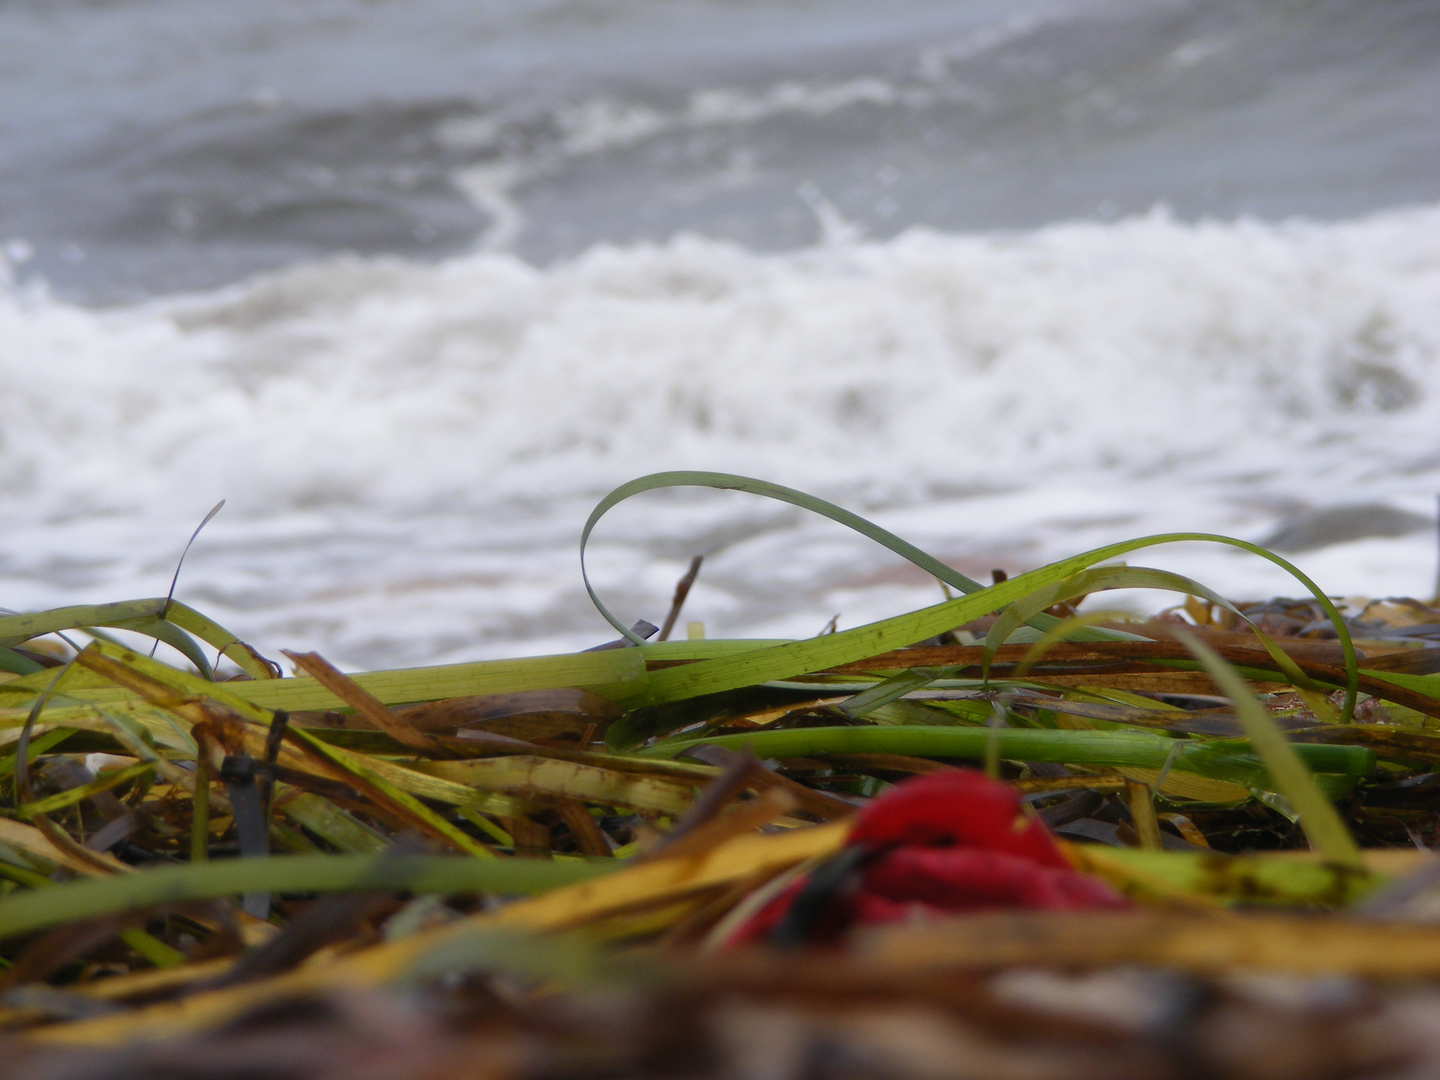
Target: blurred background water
[[411, 285]]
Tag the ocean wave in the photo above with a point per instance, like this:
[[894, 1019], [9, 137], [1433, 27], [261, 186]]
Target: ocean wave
[[1139, 347], [408, 450]]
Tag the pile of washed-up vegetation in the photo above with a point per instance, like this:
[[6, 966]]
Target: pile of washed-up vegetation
[[989, 838]]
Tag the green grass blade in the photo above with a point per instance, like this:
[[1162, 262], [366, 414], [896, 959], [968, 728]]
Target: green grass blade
[[1267, 878], [17, 628], [796, 658], [152, 948], [355, 766], [69, 797], [847, 646], [215, 635], [177, 639], [333, 825], [15, 664], [618, 674], [23, 913], [1106, 578], [1323, 827], [892, 689], [1228, 761], [135, 615], [732, 482], [38, 745]]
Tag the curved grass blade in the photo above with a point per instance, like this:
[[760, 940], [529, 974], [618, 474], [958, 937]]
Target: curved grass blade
[[171, 635], [848, 646], [1061, 632], [750, 485], [175, 580], [1323, 827], [1106, 578], [23, 913], [15, 629], [732, 482], [795, 658], [217, 637]]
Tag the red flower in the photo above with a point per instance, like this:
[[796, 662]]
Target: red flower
[[947, 842]]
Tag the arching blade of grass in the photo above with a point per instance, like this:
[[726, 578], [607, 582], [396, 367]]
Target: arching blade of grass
[[141, 616], [1105, 578], [165, 632], [732, 482], [801, 657], [23, 913], [892, 689], [1322, 825], [848, 646], [1059, 633]]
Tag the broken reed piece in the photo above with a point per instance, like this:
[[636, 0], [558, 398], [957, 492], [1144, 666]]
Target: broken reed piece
[[736, 774], [812, 801], [554, 717], [1141, 802], [707, 824], [748, 816], [583, 830], [242, 782], [273, 738], [642, 629], [682, 590], [366, 704]]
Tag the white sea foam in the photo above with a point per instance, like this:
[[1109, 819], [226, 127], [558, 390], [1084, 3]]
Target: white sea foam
[[382, 426]]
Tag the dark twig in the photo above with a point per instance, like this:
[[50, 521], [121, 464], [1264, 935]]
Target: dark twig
[[273, 740], [642, 628], [736, 774], [175, 580], [682, 590], [238, 772]]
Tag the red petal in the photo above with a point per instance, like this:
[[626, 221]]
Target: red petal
[[964, 879], [959, 807]]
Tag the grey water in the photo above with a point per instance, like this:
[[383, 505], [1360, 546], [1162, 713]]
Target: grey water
[[154, 146]]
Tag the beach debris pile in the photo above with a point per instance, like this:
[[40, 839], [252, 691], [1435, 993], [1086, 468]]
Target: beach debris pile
[[1002, 836]]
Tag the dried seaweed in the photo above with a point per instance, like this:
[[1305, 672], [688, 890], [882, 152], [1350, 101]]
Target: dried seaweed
[[526, 868]]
